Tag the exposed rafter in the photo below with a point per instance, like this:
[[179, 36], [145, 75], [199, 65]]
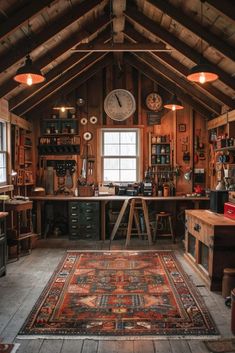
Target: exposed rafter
[[135, 16], [226, 7], [59, 83], [133, 35], [194, 27], [68, 87], [133, 60], [32, 9], [59, 50], [52, 75], [21, 50], [180, 81]]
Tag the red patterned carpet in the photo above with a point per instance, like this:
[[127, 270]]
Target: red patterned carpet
[[119, 293], [8, 347]]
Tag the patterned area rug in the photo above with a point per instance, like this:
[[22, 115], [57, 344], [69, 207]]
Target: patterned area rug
[[8, 347], [221, 346], [119, 293]]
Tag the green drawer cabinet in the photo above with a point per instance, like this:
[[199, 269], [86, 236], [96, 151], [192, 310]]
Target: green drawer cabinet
[[84, 220]]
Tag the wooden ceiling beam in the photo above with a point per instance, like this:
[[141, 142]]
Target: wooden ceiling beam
[[195, 27], [134, 16], [52, 75], [32, 9], [120, 47], [133, 60], [59, 83], [225, 7], [71, 85], [21, 50], [59, 50], [133, 35], [181, 82]]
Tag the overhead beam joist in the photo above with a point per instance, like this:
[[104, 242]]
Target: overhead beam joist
[[32, 9], [52, 75], [21, 50], [134, 16], [122, 47], [195, 27], [73, 84], [226, 7], [59, 50], [165, 58], [166, 84], [59, 83]]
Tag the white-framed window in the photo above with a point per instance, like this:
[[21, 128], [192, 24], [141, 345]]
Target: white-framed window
[[120, 155], [3, 154]]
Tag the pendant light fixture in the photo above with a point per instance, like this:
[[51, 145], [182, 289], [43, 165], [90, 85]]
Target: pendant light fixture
[[174, 103], [203, 72], [63, 104], [29, 74]]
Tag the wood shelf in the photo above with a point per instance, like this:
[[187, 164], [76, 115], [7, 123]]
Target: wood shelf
[[229, 148]]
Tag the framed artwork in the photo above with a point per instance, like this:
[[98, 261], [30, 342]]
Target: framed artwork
[[182, 127]]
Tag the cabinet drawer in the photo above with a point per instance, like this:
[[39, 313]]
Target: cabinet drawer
[[73, 206], [201, 230], [89, 206]]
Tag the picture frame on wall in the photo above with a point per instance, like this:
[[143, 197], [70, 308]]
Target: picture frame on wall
[[182, 127]]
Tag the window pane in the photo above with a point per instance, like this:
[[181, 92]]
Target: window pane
[[128, 175], [128, 137], [111, 163], [128, 150], [111, 175], [120, 143], [128, 163], [111, 150], [111, 137]]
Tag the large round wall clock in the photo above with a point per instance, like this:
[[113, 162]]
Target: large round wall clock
[[153, 101], [119, 104]]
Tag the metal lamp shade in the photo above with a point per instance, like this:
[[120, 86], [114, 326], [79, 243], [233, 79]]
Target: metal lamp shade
[[202, 73], [63, 104], [28, 73], [174, 104]]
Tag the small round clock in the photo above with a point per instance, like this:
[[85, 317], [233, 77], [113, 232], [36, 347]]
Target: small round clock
[[153, 101], [119, 104]]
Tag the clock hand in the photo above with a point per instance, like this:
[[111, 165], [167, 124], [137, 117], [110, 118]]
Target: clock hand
[[119, 103]]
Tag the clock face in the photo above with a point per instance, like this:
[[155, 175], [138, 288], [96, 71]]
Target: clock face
[[154, 101], [119, 104]]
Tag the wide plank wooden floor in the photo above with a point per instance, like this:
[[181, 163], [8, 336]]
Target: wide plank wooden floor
[[27, 277]]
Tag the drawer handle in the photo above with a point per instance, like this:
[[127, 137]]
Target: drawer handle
[[74, 220], [88, 218], [74, 207], [73, 214], [74, 227], [197, 227]]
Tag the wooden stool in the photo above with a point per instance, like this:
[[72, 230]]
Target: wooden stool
[[20, 223], [136, 205], [164, 217]]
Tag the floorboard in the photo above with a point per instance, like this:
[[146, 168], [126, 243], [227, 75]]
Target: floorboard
[[27, 277]]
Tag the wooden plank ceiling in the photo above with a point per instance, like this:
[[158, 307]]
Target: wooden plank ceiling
[[160, 38]]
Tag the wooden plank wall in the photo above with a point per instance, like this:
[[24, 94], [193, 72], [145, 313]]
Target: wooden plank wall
[[94, 92]]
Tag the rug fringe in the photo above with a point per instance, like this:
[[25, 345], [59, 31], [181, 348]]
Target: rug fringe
[[117, 338]]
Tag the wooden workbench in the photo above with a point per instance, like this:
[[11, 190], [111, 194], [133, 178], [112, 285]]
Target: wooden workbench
[[39, 200]]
